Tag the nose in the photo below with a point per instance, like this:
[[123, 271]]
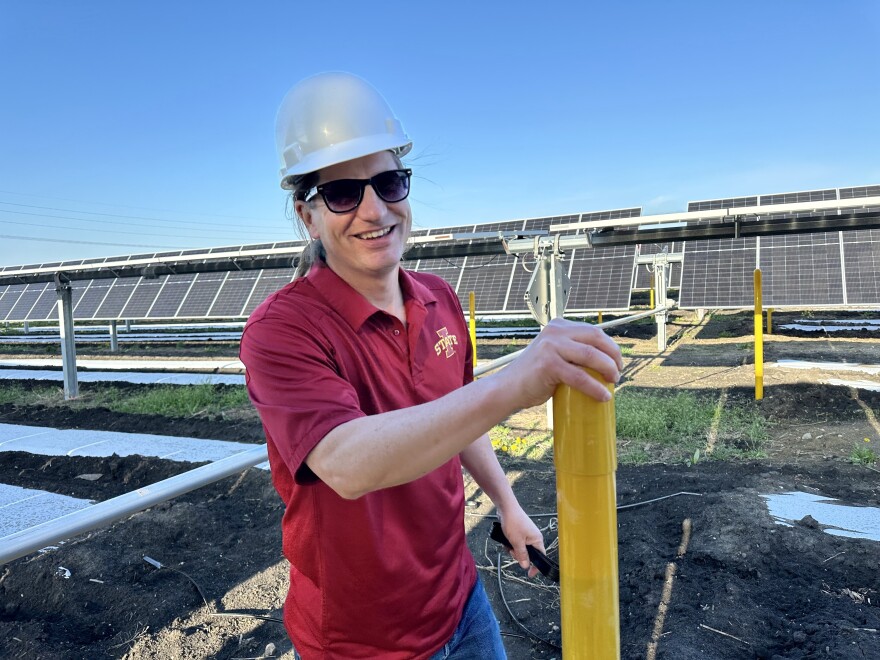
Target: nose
[[371, 207]]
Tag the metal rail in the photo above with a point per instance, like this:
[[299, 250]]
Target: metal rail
[[104, 513], [101, 514]]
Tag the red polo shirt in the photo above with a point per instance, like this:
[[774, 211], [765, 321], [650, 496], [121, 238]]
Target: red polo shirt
[[386, 575]]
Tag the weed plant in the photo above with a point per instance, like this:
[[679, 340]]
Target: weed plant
[[862, 455]]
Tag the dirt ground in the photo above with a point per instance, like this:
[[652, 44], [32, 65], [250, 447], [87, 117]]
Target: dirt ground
[[744, 586]]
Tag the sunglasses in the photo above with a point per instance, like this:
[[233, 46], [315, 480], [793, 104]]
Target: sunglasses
[[344, 195]]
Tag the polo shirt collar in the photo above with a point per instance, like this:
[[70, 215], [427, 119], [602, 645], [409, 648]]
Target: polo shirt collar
[[351, 305]]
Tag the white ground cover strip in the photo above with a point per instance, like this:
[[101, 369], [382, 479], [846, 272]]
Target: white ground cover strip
[[210, 366], [830, 328], [76, 442], [871, 369], [859, 522], [22, 508], [857, 384], [140, 378]]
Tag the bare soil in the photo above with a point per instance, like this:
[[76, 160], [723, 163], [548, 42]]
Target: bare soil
[[745, 587]]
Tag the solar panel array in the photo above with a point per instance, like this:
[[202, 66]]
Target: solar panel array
[[816, 269], [819, 269], [601, 280]]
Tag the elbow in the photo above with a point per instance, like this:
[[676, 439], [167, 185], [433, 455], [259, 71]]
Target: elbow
[[345, 484]]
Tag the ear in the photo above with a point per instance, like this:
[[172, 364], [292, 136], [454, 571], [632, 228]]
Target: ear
[[307, 213]]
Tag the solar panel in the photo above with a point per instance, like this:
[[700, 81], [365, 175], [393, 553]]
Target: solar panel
[[233, 294], [861, 256], [798, 197], [801, 269], [862, 191], [201, 295], [728, 203], [488, 276], [8, 301], [172, 292], [601, 278], [143, 297], [26, 301], [45, 304], [270, 281], [116, 298], [719, 273]]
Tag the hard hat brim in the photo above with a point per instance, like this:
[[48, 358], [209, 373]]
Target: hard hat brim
[[340, 153]]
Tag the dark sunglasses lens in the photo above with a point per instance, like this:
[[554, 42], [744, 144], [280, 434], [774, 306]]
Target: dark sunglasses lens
[[342, 195], [392, 186]]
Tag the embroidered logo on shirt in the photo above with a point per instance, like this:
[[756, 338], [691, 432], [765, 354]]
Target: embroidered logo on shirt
[[447, 343]]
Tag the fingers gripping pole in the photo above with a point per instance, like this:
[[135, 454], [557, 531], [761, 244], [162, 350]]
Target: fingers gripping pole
[[586, 459]]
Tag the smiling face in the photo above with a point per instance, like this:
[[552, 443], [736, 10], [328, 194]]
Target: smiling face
[[363, 246]]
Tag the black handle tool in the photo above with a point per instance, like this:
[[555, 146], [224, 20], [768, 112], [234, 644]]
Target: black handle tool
[[542, 562]]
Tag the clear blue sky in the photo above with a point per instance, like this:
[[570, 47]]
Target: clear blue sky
[[152, 123]]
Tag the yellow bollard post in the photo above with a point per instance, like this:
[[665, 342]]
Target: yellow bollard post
[[599, 321], [769, 321], [759, 339], [652, 290], [585, 454], [473, 326]]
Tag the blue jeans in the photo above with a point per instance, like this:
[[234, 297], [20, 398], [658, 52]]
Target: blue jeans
[[477, 636]]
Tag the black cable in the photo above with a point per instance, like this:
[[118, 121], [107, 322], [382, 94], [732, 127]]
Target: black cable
[[227, 613], [519, 623]]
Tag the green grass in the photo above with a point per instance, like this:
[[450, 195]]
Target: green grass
[[675, 426], [861, 455], [168, 400], [175, 400], [14, 393]]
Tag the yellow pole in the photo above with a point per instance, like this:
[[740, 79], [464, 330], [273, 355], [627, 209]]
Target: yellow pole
[[769, 321], [652, 290], [759, 339], [585, 454], [600, 318], [473, 325]]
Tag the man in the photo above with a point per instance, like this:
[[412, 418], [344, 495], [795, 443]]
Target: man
[[361, 372]]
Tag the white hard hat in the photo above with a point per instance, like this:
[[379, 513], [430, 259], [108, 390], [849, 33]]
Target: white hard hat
[[330, 118]]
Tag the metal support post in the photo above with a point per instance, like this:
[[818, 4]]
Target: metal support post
[[114, 338], [759, 338], [128, 325], [660, 271], [26, 327], [472, 328], [585, 453], [68, 345], [547, 293]]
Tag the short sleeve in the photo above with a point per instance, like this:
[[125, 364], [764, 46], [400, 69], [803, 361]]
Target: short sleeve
[[294, 384]]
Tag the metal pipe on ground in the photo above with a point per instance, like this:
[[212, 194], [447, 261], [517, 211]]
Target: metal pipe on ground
[[85, 520]]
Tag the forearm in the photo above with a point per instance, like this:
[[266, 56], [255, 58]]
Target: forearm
[[480, 461], [380, 451]]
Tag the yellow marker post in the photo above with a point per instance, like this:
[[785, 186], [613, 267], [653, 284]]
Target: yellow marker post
[[759, 339], [473, 325], [652, 290], [599, 321], [585, 453], [769, 321]]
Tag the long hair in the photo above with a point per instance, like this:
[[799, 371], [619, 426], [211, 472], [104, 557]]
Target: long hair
[[314, 250]]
